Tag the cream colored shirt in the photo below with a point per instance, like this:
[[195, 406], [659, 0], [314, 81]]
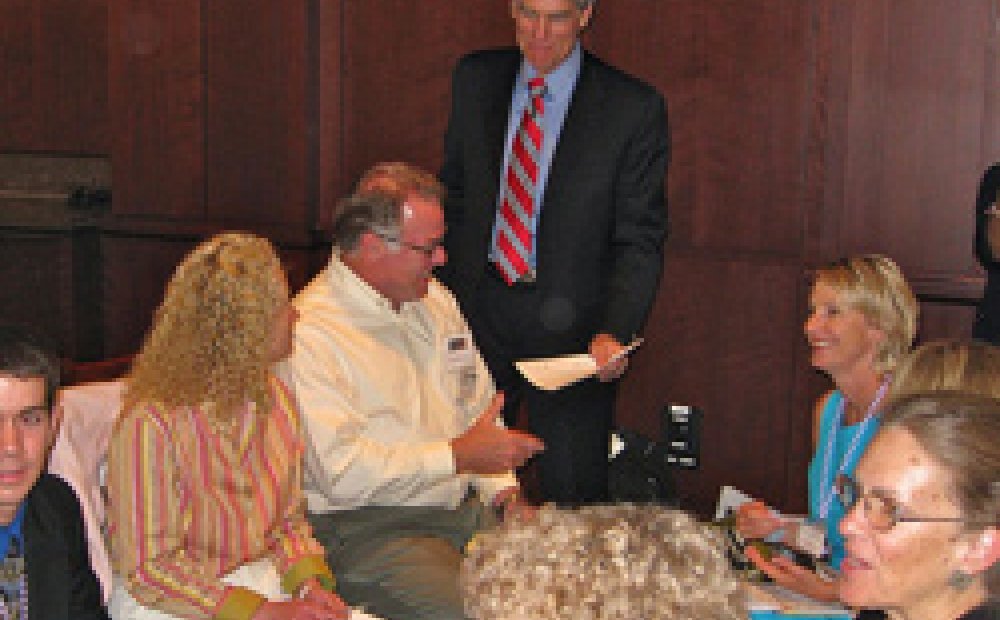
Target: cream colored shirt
[[382, 393]]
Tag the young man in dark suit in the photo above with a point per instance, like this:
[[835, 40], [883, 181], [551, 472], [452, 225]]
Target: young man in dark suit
[[45, 568], [555, 224]]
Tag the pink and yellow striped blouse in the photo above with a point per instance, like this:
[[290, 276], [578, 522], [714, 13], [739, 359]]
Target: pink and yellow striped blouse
[[192, 500]]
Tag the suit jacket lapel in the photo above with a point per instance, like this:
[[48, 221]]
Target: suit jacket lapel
[[45, 557], [581, 125], [497, 115]]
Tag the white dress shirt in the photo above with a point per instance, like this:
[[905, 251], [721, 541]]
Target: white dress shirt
[[382, 393]]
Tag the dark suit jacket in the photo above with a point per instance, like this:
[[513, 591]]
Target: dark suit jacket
[[603, 218], [61, 584], [988, 316]]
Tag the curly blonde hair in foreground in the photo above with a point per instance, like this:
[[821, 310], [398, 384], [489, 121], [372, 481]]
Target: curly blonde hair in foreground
[[211, 336], [616, 562]]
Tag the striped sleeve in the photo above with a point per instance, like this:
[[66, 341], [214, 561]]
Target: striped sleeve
[[299, 556], [148, 513]]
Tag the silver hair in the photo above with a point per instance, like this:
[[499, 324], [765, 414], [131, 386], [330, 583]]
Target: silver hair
[[377, 212], [601, 562]]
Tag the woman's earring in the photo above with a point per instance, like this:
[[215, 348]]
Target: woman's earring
[[960, 580]]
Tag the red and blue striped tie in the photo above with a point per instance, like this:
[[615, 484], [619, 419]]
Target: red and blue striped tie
[[517, 198]]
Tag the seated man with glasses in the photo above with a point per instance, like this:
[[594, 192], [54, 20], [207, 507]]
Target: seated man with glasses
[[45, 567], [400, 411]]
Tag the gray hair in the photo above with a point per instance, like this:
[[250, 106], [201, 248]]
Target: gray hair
[[959, 430], [377, 203], [611, 561], [376, 212]]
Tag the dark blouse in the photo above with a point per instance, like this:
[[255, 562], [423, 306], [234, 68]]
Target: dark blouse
[[988, 315], [989, 611]]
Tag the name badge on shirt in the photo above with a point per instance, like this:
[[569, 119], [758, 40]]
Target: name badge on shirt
[[460, 363], [458, 351]]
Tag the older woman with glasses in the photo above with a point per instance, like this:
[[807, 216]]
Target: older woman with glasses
[[921, 528], [862, 320]]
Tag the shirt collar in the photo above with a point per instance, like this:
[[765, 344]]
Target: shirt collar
[[560, 81], [342, 276], [12, 531]]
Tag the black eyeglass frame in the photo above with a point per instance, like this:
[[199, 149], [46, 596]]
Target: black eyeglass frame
[[848, 494]]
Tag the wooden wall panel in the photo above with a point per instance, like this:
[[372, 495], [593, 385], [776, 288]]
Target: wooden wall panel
[[156, 93], [136, 273], [737, 82], [256, 125], [53, 82], [329, 182], [726, 331], [36, 289], [945, 319], [732, 349], [398, 57], [910, 124]]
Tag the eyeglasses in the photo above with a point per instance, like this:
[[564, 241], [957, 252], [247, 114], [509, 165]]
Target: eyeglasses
[[881, 511], [425, 249]]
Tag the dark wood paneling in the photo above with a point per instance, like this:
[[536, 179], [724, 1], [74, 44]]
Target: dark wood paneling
[[53, 76], [256, 124], [331, 182], [398, 56], [731, 348], [136, 272], [739, 88], [156, 89], [944, 319], [36, 284], [736, 75], [909, 125]]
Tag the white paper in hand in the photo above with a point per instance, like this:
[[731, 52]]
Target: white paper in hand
[[357, 614], [553, 373]]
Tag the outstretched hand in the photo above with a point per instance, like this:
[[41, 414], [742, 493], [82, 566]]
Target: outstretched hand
[[489, 448]]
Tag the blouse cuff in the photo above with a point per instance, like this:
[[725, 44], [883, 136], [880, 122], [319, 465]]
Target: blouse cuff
[[309, 566], [239, 604]]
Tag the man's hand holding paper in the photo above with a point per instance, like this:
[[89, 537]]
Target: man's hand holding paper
[[607, 360]]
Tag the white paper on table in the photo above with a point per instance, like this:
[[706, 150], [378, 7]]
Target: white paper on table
[[357, 614], [730, 499], [555, 373], [768, 596]]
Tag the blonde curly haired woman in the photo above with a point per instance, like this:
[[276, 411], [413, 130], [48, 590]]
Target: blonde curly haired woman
[[205, 503], [601, 562]]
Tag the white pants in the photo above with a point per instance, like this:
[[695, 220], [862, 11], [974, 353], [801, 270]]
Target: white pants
[[259, 576]]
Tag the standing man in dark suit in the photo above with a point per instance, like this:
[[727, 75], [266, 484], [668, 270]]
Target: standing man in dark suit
[[44, 563], [555, 224]]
